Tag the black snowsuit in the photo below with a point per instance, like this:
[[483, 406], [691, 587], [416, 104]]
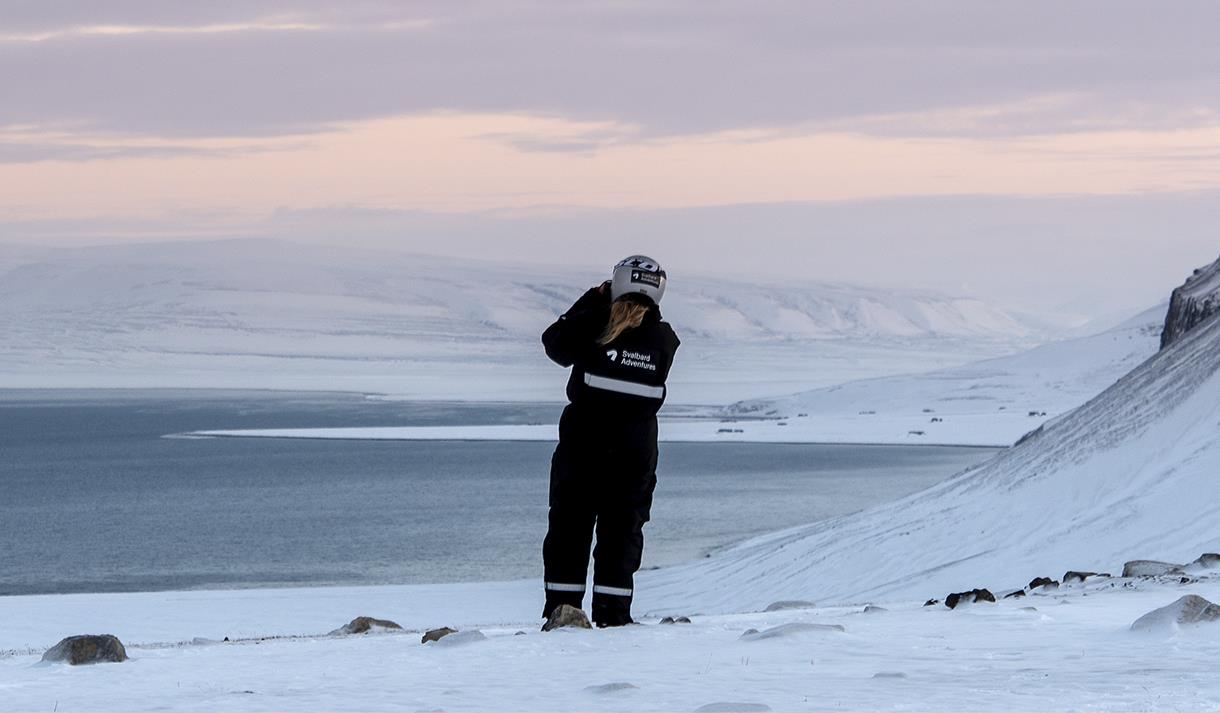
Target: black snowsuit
[[604, 470]]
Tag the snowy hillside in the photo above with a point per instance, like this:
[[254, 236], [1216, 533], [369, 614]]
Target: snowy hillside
[[1131, 474], [991, 402], [266, 314]]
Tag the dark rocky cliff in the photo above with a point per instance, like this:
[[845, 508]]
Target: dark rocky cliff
[[1192, 303]]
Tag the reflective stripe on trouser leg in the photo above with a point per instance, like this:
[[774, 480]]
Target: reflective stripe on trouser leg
[[561, 587], [612, 591]]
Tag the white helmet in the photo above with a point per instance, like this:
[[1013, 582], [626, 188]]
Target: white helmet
[[638, 274]]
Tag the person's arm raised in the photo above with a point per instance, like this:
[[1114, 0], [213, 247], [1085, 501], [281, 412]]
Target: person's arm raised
[[576, 329]]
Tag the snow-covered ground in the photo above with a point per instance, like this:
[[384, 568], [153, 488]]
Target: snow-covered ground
[[267, 314], [993, 402], [1069, 649]]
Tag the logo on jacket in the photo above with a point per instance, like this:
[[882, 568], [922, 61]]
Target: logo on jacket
[[612, 354]]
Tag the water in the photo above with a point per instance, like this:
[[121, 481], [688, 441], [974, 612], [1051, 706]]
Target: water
[[93, 497]]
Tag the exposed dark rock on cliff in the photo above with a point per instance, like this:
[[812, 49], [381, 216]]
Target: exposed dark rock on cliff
[[1192, 303]]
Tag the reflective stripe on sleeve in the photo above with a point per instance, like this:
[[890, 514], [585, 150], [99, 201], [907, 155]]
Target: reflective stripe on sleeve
[[613, 591], [561, 587], [624, 387]]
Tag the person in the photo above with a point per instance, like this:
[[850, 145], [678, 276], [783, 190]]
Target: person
[[603, 471]]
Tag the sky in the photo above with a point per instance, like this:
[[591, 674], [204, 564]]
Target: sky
[[1051, 155]]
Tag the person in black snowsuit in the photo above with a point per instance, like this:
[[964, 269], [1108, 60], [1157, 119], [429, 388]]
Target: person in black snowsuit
[[603, 472]]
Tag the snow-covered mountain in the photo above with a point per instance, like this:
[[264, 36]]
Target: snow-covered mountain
[[990, 402], [1134, 473], [270, 314]]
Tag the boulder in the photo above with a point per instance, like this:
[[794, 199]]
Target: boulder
[[437, 634], [1189, 610], [789, 604], [1038, 582], [365, 624], [1017, 594], [1150, 568], [931, 602], [87, 649], [974, 595], [1207, 560], [1073, 576], [567, 616]]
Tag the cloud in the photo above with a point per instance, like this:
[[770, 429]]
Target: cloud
[[668, 68]]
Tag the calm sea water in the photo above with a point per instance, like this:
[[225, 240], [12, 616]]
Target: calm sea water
[[94, 498]]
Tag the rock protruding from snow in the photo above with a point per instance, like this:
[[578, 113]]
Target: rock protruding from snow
[[365, 624], [789, 629], [87, 649], [974, 595], [566, 616], [676, 620], [1038, 582], [789, 604], [458, 638], [436, 634], [1190, 609], [1073, 576], [1150, 568], [1192, 303]]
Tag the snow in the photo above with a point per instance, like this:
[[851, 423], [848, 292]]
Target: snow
[[986, 403], [1072, 651], [1129, 475], [274, 315]]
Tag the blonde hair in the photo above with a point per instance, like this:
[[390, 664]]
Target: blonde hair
[[624, 315]]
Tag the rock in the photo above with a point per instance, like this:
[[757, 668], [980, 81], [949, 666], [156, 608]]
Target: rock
[[1039, 582], [789, 604], [1190, 609], [872, 609], [1073, 576], [612, 687], [679, 620], [567, 616], [88, 649], [790, 629], [1192, 303], [1208, 560], [1150, 568], [733, 707], [365, 624], [437, 634], [458, 638], [974, 595], [931, 602], [1015, 595]]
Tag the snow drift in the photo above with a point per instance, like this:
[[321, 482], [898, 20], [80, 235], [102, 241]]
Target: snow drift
[[1135, 472]]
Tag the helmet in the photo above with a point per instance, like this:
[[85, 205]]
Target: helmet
[[638, 274]]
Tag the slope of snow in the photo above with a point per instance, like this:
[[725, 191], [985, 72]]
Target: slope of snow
[[266, 314], [992, 402], [1131, 474]]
